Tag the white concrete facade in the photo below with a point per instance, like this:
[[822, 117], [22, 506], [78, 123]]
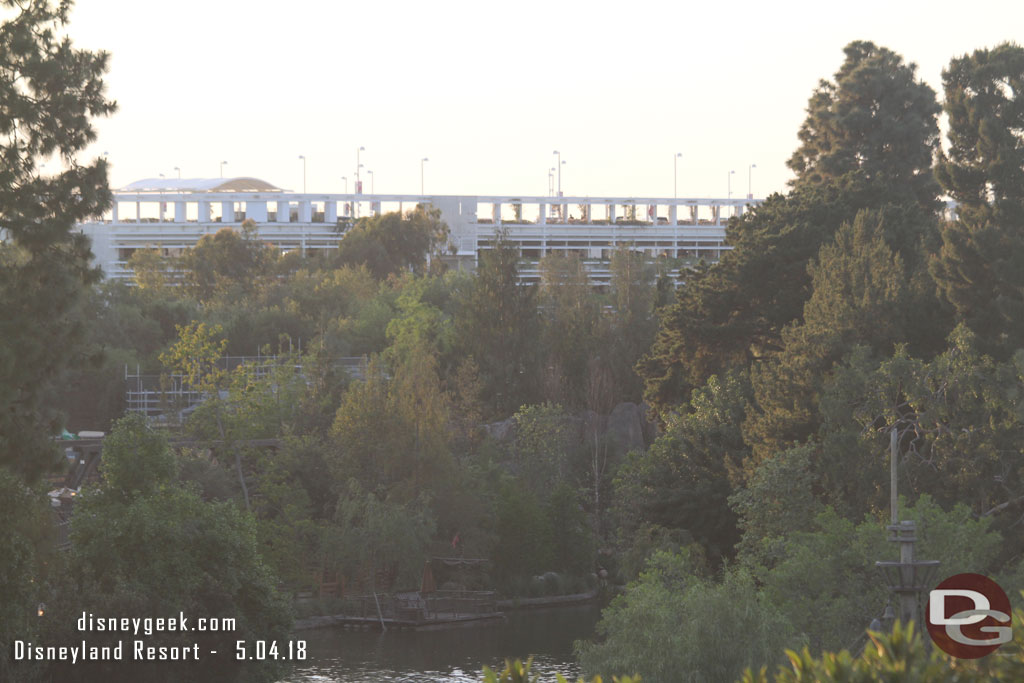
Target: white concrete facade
[[685, 229]]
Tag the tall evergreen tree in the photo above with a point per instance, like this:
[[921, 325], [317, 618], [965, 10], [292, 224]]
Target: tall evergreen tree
[[867, 143], [570, 314], [980, 269], [497, 324], [858, 297], [875, 120], [49, 92]]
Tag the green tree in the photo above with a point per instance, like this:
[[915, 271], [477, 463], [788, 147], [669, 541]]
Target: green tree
[[978, 270], [369, 533], [26, 550], [145, 545], [875, 120], [672, 625], [151, 270], [634, 323], [684, 480], [228, 261], [901, 655], [983, 169], [857, 297], [543, 451], [392, 243], [496, 323], [867, 142], [569, 317], [50, 92]]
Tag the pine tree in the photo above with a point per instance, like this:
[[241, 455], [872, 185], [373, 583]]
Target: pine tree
[[867, 143], [876, 121], [49, 92], [497, 325], [980, 269]]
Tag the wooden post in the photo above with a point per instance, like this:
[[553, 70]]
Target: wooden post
[[892, 476], [379, 614]]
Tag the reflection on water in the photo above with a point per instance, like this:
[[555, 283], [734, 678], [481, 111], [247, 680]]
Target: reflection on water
[[457, 654]]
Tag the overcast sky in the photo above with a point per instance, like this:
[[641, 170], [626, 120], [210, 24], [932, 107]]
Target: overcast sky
[[488, 90]]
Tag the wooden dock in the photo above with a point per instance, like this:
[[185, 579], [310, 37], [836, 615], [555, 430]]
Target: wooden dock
[[411, 611]]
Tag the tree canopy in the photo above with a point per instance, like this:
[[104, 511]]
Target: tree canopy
[[50, 92]]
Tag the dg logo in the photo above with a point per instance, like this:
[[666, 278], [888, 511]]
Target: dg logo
[[968, 616]]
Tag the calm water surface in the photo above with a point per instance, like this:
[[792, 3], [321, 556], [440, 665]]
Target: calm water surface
[[457, 654]]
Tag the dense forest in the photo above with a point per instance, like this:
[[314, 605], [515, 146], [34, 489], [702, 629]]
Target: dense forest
[[714, 449]]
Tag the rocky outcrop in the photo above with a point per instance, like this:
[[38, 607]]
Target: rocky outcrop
[[502, 431], [625, 429]]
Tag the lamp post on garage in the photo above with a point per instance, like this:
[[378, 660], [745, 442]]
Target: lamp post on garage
[[423, 161], [750, 191], [675, 175], [303, 157], [359, 188]]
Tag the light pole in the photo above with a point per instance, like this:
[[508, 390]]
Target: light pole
[[179, 172], [750, 192], [422, 161], [371, 181], [729, 179], [358, 166], [551, 181], [222, 168], [162, 199], [559, 167], [675, 175], [345, 178], [303, 157]]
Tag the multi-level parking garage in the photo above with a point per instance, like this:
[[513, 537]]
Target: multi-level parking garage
[[172, 215]]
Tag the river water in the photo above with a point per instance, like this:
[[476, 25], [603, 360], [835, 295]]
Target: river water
[[458, 654]]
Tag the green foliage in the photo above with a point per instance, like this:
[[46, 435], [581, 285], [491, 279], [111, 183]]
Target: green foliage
[[824, 580], [958, 418], [524, 534], [857, 297], [390, 244], [419, 324], [875, 120], [542, 451], [50, 92], [899, 656], [519, 672], [778, 498], [159, 550], [496, 323], [136, 460], [684, 480], [368, 532], [672, 625], [633, 325], [227, 263], [733, 312], [391, 435], [25, 538], [867, 143], [196, 354], [983, 169], [570, 314], [978, 270]]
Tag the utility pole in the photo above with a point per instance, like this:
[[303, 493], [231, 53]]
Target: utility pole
[[909, 577]]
